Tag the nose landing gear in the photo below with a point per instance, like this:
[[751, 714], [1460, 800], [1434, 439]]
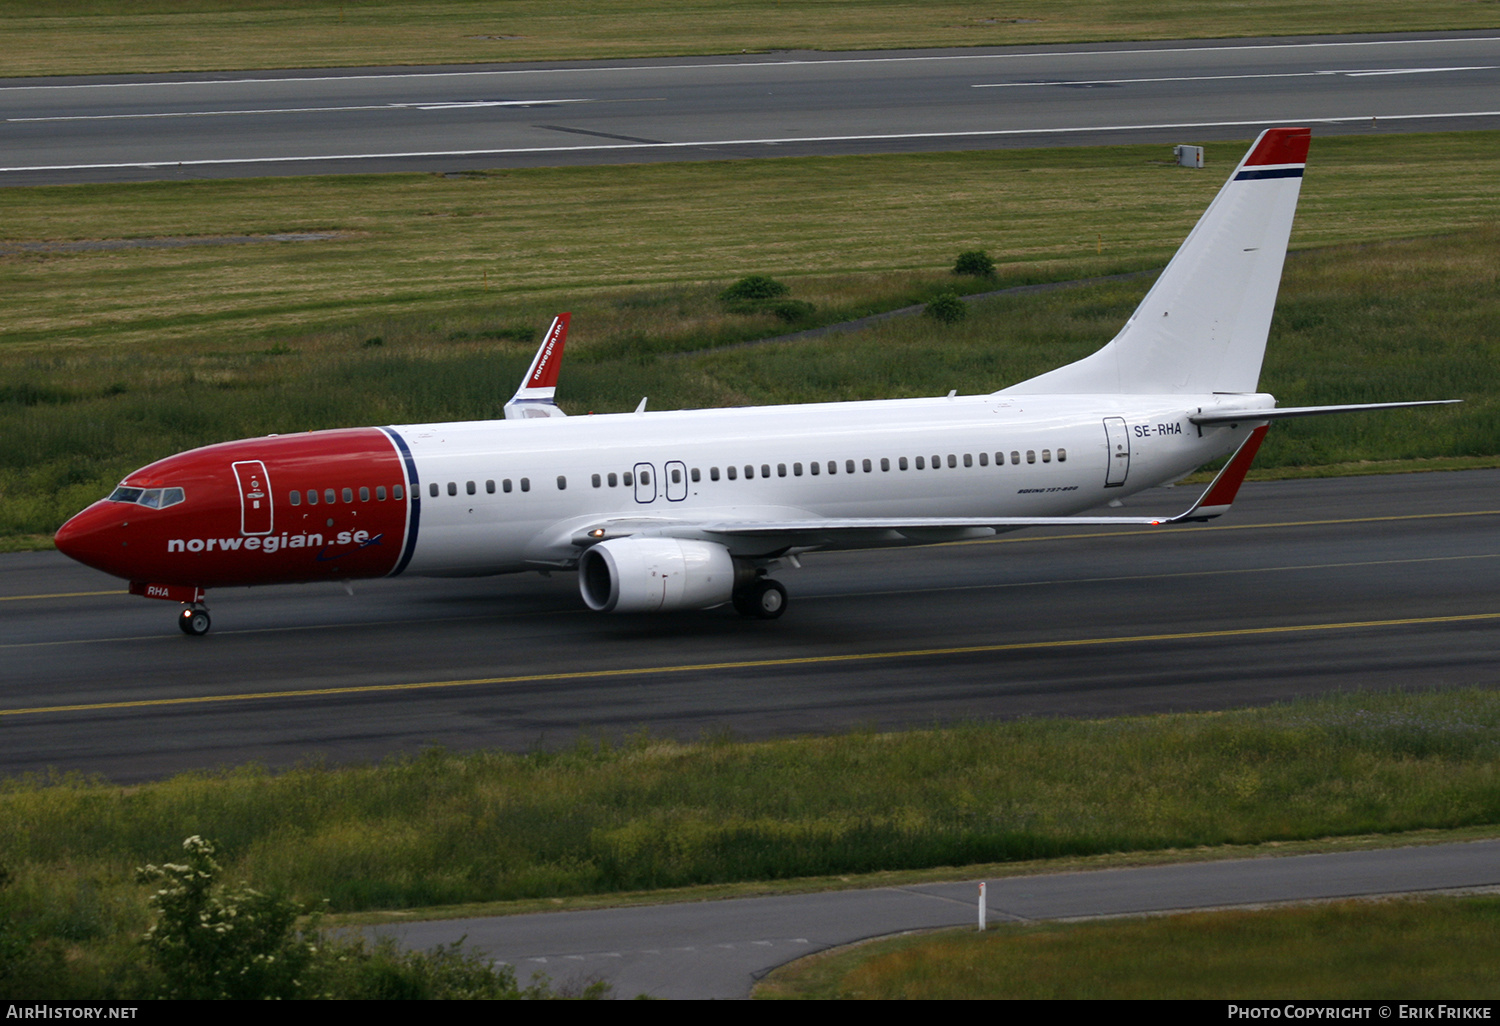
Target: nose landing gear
[[193, 621]]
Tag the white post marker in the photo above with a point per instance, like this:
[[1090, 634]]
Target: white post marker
[[983, 906]]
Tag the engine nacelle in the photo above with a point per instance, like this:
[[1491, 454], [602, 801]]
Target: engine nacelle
[[652, 575]]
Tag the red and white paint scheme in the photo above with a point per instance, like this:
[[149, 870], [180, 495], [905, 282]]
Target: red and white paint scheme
[[691, 509]]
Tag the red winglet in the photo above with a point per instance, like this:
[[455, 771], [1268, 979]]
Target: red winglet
[[549, 357], [1281, 146], [1220, 494]]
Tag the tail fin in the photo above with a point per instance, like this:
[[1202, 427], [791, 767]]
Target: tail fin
[[1202, 327], [535, 396]]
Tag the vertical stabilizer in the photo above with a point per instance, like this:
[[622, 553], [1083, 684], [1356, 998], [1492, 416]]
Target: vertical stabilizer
[[1202, 327]]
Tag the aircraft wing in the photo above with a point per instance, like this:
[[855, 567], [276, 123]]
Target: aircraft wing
[[834, 531], [535, 396]]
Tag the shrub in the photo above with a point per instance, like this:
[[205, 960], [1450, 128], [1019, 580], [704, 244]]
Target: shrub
[[754, 287], [947, 308], [792, 310], [975, 263], [208, 942]]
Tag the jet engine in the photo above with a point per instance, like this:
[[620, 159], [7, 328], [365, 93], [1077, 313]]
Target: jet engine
[[651, 575]]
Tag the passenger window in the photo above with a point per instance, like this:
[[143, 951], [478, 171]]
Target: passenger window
[[470, 488], [562, 483], [676, 476], [866, 466], [452, 488], [628, 478], [813, 467], [900, 463], [953, 460], [984, 459], [921, 463], [595, 481], [489, 487], [849, 466], [1062, 455], [348, 494], [781, 469], [398, 493], [968, 460], [296, 498], [613, 480], [885, 464], [937, 462], [731, 472], [364, 494], [1015, 456], [380, 493], [312, 496], [328, 496], [713, 473], [645, 477], [696, 476], [749, 472], [505, 485], [1046, 455], [765, 470], [1030, 455], [525, 484]]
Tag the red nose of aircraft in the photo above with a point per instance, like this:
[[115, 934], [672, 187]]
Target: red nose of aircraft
[[100, 537]]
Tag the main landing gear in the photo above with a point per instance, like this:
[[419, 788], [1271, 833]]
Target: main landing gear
[[765, 599], [193, 621]]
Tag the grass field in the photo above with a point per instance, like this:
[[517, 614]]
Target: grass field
[[69, 37], [1432, 948], [444, 829], [111, 358]]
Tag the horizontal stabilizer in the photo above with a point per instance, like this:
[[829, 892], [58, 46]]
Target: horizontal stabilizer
[[534, 398], [1251, 415]]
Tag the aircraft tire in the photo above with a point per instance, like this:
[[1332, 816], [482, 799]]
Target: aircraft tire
[[763, 600], [194, 622]]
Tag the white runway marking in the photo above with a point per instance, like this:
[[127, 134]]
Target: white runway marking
[[200, 82], [300, 110], [776, 141], [1225, 78]]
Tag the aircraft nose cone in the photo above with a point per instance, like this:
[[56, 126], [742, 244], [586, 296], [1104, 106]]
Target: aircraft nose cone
[[97, 537]]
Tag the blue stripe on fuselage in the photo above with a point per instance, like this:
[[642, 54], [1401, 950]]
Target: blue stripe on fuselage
[[413, 495]]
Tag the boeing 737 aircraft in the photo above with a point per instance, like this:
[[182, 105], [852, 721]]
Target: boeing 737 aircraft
[[692, 509]]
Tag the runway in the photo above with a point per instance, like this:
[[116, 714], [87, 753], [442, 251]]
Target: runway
[[1305, 587], [448, 119]]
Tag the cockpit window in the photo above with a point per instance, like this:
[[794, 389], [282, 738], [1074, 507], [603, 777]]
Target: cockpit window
[[151, 498]]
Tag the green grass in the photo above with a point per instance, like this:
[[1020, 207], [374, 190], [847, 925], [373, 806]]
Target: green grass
[[443, 829], [1433, 948], [96, 36], [111, 359]]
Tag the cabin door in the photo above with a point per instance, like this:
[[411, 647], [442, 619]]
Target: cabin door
[[1119, 451], [255, 497]]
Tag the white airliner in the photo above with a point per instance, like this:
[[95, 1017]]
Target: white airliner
[[691, 509]]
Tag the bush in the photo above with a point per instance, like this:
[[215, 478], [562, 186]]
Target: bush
[[754, 287], [947, 308], [210, 942], [792, 310], [975, 263]]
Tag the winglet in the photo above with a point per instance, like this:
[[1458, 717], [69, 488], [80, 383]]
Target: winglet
[[1219, 496], [535, 396]]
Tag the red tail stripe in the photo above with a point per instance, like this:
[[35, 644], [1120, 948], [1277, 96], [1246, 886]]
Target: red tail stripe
[[1281, 146]]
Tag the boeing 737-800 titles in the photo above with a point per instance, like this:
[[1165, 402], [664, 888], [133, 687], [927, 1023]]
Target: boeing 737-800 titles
[[691, 509]]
